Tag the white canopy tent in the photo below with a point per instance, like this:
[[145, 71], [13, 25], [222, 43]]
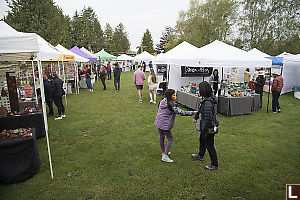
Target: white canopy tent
[[216, 54], [290, 71], [144, 56], [124, 57], [24, 46]]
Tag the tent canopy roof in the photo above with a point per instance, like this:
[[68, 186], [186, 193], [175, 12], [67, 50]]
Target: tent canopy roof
[[17, 45], [144, 56], [104, 55], [124, 57], [219, 54], [87, 52], [77, 51], [78, 58], [258, 53]]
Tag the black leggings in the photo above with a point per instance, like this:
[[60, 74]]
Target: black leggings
[[207, 142], [59, 104]]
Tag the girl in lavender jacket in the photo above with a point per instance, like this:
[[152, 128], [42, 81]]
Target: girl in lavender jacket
[[165, 119]]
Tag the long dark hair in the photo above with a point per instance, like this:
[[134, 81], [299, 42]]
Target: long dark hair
[[168, 95], [205, 89], [153, 76]]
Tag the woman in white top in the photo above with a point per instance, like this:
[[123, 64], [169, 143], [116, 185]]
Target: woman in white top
[[153, 85]]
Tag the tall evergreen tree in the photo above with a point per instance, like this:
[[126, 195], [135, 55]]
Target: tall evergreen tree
[[168, 36], [120, 39], [41, 17], [86, 30], [108, 38], [147, 43]]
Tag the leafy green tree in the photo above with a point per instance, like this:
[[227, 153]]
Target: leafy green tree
[[41, 17], [271, 26], [120, 39], [205, 22], [108, 38], [147, 43]]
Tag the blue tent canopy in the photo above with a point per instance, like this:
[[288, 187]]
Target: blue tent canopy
[[276, 60]]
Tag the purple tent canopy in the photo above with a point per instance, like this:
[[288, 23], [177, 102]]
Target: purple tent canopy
[[76, 50]]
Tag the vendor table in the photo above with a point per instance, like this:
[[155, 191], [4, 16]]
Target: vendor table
[[35, 121], [19, 159], [238, 105], [188, 100]]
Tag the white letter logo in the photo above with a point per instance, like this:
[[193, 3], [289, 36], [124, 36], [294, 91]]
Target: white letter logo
[[290, 193]]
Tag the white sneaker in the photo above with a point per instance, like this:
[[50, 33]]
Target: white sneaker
[[63, 116], [58, 118], [151, 101], [154, 102]]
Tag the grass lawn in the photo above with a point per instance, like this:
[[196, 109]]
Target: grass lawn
[[108, 148]]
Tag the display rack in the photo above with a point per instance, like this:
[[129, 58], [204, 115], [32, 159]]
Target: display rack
[[3, 85]]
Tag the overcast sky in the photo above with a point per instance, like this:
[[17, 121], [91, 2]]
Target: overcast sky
[[135, 15]]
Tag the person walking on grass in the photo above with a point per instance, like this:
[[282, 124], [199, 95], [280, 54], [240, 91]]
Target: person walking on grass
[[259, 85], [108, 71], [277, 86], [153, 85], [208, 120], [165, 119], [138, 79], [58, 92], [103, 73], [117, 75]]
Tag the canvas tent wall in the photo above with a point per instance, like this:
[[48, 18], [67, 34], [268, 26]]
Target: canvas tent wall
[[24, 46], [290, 72]]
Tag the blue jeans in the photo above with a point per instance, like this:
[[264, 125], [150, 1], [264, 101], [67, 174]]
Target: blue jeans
[[89, 83], [275, 102], [108, 75]]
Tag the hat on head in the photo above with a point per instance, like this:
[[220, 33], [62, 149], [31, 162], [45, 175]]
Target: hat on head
[[277, 73], [261, 73]]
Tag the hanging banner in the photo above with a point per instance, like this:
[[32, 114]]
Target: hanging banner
[[187, 71], [161, 68], [63, 57]]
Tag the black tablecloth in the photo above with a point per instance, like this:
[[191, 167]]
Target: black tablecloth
[[235, 105], [19, 159], [34, 121], [188, 100]]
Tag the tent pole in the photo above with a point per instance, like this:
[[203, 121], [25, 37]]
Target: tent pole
[[44, 112], [36, 98], [270, 70], [65, 85]]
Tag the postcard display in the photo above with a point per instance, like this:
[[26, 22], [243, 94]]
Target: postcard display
[[18, 91]]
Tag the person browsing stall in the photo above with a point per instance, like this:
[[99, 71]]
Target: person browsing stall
[[277, 86], [259, 85]]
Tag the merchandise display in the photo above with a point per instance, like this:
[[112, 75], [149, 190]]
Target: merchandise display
[[21, 132]]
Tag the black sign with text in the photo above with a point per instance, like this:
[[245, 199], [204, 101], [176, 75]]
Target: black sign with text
[[161, 68], [187, 71]]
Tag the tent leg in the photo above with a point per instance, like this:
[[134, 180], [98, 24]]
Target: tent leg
[[269, 91], [45, 113]]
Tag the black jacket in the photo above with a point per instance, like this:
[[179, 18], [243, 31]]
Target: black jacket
[[57, 85], [259, 85], [207, 112], [117, 72], [48, 89]]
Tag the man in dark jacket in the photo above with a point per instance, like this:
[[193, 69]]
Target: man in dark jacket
[[259, 85], [48, 94], [58, 92], [117, 75]]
